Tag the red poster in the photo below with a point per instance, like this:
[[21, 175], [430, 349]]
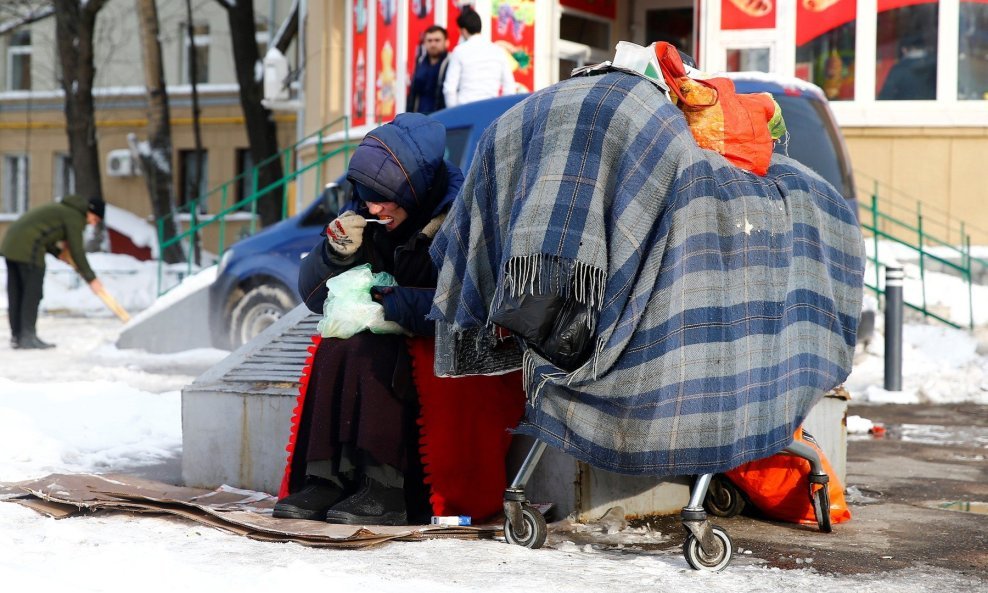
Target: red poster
[[816, 17], [604, 8], [385, 48], [747, 14], [421, 16], [358, 66], [513, 28], [884, 5], [453, 11]]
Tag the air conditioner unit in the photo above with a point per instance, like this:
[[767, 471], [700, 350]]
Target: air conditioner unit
[[120, 163]]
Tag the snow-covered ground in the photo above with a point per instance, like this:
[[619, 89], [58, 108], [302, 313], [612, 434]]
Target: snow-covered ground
[[88, 407]]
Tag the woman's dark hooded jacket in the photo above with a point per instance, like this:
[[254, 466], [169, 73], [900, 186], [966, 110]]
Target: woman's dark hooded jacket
[[401, 162]]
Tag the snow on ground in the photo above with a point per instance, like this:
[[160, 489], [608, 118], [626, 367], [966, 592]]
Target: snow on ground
[[87, 406]]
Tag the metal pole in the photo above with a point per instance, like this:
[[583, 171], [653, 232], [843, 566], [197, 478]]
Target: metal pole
[[893, 327]]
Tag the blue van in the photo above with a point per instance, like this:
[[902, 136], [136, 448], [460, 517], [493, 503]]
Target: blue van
[[257, 277]]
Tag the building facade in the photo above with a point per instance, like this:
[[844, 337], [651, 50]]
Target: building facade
[[907, 79], [34, 162]]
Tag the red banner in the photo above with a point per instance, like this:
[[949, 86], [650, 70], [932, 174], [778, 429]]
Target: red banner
[[453, 11], [385, 45], [358, 65], [604, 8], [816, 17], [421, 16], [747, 14], [513, 28]]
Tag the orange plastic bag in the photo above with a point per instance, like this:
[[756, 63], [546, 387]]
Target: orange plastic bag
[[740, 127], [779, 486]]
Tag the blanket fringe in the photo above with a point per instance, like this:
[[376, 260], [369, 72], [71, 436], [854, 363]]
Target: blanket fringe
[[540, 273]]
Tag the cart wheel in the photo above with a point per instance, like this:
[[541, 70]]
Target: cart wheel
[[698, 560], [723, 499], [821, 508], [534, 533]]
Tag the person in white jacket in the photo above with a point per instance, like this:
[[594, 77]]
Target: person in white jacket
[[478, 69]]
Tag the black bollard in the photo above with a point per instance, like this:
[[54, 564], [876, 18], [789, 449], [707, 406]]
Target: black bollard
[[893, 327]]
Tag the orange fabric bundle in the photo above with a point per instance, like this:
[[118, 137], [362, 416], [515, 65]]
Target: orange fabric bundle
[[779, 486], [736, 126]]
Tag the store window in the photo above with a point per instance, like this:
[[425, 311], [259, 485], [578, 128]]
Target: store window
[[906, 51], [757, 59], [19, 61], [583, 40], [825, 35], [972, 51], [14, 197]]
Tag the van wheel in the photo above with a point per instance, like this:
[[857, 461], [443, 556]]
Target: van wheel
[[256, 311]]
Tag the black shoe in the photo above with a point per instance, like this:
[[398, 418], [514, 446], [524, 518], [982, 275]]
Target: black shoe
[[15, 343], [33, 343], [310, 502], [373, 504]]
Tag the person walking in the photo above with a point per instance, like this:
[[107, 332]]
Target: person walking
[[53, 228], [478, 69], [425, 94]]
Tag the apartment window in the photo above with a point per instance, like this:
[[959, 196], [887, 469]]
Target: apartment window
[[197, 52], [64, 175], [14, 198], [906, 53], [19, 61], [972, 54], [188, 166]]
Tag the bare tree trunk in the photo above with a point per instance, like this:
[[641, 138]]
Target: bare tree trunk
[[156, 162], [196, 132], [75, 22], [258, 119]]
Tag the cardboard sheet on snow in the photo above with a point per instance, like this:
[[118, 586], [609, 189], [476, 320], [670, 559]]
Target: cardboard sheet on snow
[[240, 512]]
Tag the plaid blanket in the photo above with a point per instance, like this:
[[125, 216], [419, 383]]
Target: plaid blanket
[[724, 304]]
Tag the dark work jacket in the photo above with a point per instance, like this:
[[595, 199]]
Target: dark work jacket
[[403, 255], [401, 162], [425, 94], [42, 229]]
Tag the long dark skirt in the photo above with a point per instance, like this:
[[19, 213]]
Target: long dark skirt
[[361, 397]]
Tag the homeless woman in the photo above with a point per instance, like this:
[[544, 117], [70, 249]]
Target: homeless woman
[[356, 444]]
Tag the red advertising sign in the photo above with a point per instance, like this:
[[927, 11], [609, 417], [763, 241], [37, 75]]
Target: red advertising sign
[[604, 8], [816, 17], [747, 14], [421, 16], [453, 11], [513, 28], [385, 48], [358, 65]]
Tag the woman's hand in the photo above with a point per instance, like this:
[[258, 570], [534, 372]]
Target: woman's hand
[[345, 233]]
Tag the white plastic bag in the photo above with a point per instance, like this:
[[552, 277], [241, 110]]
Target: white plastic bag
[[349, 308]]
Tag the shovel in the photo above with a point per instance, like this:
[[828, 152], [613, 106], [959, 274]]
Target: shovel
[[108, 300]]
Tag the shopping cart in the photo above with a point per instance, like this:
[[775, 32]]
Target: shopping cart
[[707, 546]]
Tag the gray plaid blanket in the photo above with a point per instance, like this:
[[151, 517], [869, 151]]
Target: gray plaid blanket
[[724, 304]]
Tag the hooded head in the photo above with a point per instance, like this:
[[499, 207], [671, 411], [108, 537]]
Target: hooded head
[[97, 206], [402, 162]]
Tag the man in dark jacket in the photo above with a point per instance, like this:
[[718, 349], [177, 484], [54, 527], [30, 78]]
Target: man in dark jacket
[[357, 438], [425, 94], [53, 228]]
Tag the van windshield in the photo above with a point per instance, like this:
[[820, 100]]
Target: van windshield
[[813, 141]]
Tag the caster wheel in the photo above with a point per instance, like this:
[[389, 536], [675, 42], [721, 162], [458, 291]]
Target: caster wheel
[[699, 560], [821, 508], [723, 498], [530, 535]]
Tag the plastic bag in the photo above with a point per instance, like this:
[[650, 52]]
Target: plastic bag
[[742, 127], [349, 308]]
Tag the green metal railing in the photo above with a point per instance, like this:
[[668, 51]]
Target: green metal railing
[[915, 237], [248, 205]]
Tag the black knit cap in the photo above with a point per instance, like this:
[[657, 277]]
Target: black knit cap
[[97, 206]]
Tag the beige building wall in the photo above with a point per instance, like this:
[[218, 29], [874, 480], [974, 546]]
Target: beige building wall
[[934, 171], [33, 123]]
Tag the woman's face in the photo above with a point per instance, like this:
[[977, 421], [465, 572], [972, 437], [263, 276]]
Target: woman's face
[[388, 210]]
